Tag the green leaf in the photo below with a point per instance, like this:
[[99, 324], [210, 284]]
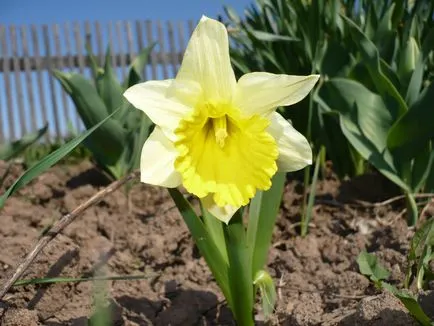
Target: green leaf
[[385, 35], [94, 68], [139, 139], [109, 87], [107, 143], [422, 166], [204, 242], [267, 290], [415, 83], [49, 161], [101, 315], [307, 211], [410, 302], [365, 121], [239, 271], [263, 211], [371, 58], [369, 266], [137, 66], [232, 14], [269, 37], [421, 239], [54, 280], [214, 227], [408, 58], [410, 134], [336, 61], [13, 149]]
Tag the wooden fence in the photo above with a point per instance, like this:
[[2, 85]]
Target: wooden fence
[[29, 94]]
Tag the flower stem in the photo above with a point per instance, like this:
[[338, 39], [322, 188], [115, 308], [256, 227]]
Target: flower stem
[[412, 211], [240, 271]]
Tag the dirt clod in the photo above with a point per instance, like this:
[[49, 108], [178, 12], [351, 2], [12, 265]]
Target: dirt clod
[[142, 234]]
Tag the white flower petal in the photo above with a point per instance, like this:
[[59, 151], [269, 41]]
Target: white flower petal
[[294, 149], [224, 214], [207, 62], [157, 161], [262, 92], [152, 98]]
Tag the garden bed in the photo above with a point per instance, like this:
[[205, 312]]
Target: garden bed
[[317, 276]]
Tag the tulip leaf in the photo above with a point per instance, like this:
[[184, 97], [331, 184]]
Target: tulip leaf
[[137, 66], [371, 57], [107, 143], [365, 121], [414, 129], [108, 86]]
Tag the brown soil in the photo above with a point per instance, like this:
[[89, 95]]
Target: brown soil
[[317, 276]]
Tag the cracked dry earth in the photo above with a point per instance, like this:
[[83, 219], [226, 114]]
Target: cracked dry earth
[[317, 276]]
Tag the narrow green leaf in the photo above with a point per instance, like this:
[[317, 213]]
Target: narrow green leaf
[[417, 244], [263, 211], [232, 14], [49, 161], [109, 87], [410, 302], [51, 280], [204, 242], [240, 271], [422, 166], [139, 139], [13, 149], [94, 68], [307, 211], [137, 66], [101, 315], [269, 37]]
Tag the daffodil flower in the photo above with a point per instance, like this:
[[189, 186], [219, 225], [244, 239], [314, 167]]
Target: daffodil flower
[[219, 138]]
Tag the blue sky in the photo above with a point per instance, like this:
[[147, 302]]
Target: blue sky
[[59, 11], [38, 12]]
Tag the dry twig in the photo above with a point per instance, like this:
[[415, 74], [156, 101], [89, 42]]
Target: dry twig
[[361, 203], [392, 200], [58, 227]]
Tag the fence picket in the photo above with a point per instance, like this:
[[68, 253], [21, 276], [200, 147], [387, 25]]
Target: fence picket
[[20, 109], [150, 39], [8, 87], [59, 64], [39, 77], [30, 94], [70, 64], [28, 79]]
